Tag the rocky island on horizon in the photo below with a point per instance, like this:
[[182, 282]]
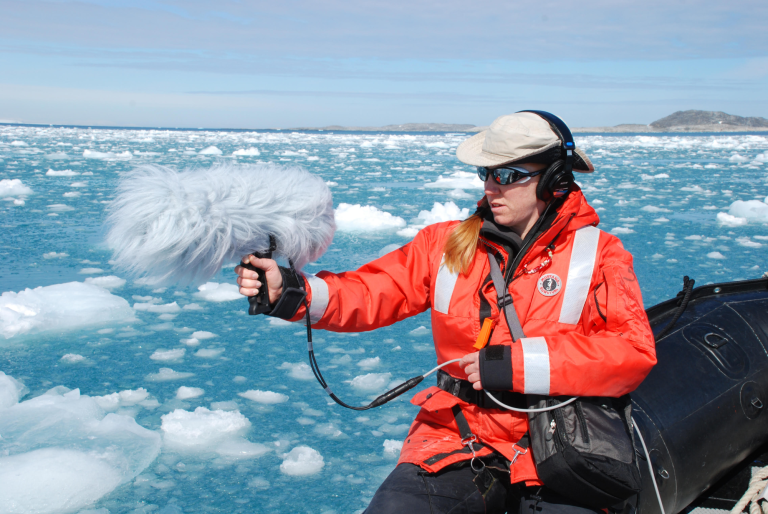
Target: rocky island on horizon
[[680, 121]]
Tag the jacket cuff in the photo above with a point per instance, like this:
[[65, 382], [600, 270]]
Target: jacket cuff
[[496, 368], [291, 299]]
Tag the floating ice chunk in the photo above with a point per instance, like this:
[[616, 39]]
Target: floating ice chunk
[[60, 307], [108, 156], [460, 194], [60, 207], [365, 218], [389, 248], [751, 210], [267, 397], [13, 187], [409, 232], [91, 271], [202, 334], [185, 393], [761, 157], [458, 180], [71, 194], [214, 292], [419, 331], [209, 353], [127, 398], [258, 483], [211, 150], [201, 430], [392, 447], [745, 241], [242, 449], [151, 307], [18, 143], [622, 230], [11, 390], [299, 370], [371, 382], [695, 189], [193, 307], [79, 184], [225, 405], [440, 212], [248, 152], [331, 183], [190, 341], [302, 461], [167, 374], [60, 453], [653, 177], [369, 363], [109, 282], [168, 355], [61, 173], [278, 322], [653, 208], [239, 379], [716, 255], [72, 358], [738, 158], [730, 221]]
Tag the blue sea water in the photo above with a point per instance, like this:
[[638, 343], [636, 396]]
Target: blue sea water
[[661, 194]]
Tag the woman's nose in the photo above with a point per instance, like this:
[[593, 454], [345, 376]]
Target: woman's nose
[[490, 185]]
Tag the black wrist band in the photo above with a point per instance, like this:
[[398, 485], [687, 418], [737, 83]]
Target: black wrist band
[[291, 298], [496, 367]]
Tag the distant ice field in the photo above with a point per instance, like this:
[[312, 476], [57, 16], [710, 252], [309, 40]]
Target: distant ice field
[[175, 400]]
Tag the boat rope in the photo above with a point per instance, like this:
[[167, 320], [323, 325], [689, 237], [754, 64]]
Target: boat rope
[[756, 494], [684, 297]]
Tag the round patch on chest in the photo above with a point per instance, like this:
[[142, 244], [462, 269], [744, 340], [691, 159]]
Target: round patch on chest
[[550, 284]]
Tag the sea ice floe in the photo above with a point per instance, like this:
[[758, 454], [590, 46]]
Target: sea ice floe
[[109, 282], [209, 353], [751, 210], [72, 358], [215, 292], [365, 218], [448, 211], [457, 180], [13, 187], [419, 331], [369, 363], [209, 431], [248, 152], [108, 156], [716, 255], [211, 150], [186, 393], [745, 241], [622, 230], [298, 370], [61, 173], [392, 447], [175, 354], [654, 208], [202, 334], [60, 452], [302, 461], [266, 397], [152, 307], [127, 398], [165, 374], [58, 307], [371, 383], [731, 221], [11, 391]]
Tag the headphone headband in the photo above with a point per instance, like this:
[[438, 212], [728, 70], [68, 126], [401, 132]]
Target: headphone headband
[[564, 132]]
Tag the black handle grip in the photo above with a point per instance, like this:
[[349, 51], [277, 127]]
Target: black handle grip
[[259, 304], [397, 391]]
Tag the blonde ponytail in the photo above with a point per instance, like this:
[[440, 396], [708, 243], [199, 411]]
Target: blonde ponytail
[[462, 243]]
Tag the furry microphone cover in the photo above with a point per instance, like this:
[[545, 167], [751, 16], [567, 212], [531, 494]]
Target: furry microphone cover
[[170, 226]]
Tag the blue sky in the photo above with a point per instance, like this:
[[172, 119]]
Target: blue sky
[[298, 63]]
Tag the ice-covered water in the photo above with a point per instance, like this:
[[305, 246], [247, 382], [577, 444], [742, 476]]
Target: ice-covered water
[[121, 397]]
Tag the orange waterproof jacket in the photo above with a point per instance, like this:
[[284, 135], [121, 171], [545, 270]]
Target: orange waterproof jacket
[[587, 332]]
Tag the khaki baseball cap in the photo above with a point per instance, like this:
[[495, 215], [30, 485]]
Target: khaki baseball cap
[[517, 138]]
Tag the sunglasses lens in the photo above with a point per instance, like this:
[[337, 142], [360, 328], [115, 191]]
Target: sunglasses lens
[[482, 172]]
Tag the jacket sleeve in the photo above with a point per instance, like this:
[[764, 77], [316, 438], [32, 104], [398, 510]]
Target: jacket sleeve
[[382, 292], [614, 351]]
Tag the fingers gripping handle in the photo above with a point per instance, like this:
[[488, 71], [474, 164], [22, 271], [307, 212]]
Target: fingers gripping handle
[[259, 304]]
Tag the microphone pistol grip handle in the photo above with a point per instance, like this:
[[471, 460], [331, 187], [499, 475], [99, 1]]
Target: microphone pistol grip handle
[[259, 304]]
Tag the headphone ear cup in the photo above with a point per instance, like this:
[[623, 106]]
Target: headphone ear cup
[[549, 178]]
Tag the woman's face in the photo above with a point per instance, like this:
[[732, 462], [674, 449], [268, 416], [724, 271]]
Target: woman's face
[[516, 205]]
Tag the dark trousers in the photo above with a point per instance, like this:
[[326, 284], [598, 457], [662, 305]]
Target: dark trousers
[[459, 490]]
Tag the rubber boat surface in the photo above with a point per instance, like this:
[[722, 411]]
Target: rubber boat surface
[[701, 410]]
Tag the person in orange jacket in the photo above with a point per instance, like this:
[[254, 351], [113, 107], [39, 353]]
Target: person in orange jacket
[[572, 286]]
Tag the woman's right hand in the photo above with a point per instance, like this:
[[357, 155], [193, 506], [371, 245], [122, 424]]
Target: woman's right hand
[[249, 282]]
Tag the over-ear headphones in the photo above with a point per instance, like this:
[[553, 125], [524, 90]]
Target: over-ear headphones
[[556, 181]]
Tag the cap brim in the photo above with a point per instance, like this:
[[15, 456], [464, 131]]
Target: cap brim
[[470, 151]]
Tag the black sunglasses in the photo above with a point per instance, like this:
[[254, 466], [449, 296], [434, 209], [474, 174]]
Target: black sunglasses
[[505, 175]]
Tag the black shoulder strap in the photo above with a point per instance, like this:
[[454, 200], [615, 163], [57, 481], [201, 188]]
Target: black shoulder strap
[[504, 300]]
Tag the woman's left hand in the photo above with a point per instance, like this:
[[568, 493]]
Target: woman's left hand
[[472, 368]]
